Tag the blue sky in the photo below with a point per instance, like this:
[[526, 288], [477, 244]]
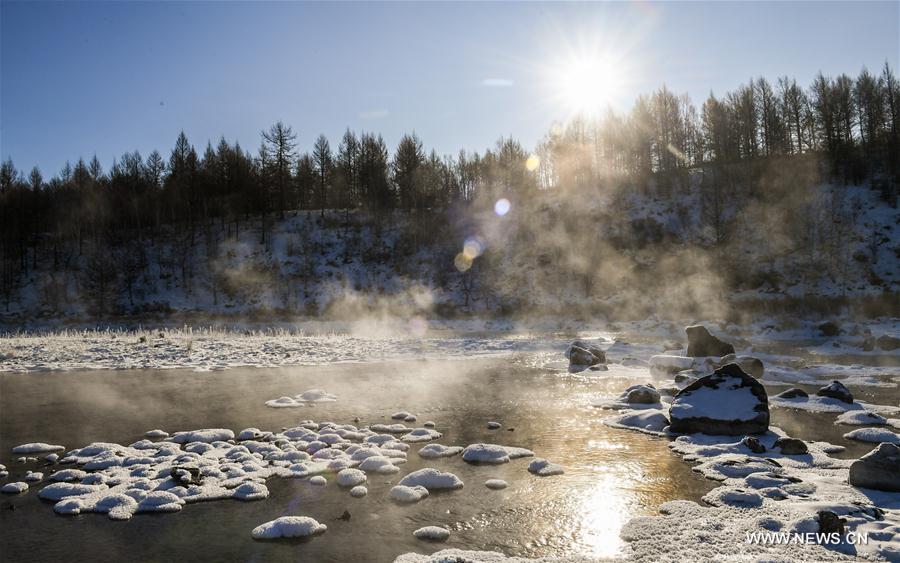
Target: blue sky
[[105, 78]]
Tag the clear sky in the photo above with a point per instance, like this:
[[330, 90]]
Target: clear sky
[[105, 78]]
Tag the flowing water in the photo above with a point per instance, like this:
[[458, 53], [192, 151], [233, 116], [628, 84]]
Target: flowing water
[[611, 475]]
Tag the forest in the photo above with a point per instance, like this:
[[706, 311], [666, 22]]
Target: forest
[[744, 177]]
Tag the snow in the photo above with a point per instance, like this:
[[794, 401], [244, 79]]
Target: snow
[[876, 435], [288, 527], [432, 533], [36, 448], [421, 435], [206, 435], [432, 479], [303, 399], [544, 468], [251, 491], [378, 464], [493, 453], [496, 484], [14, 488], [860, 418], [350, 477], [737, 404], [34, 476], [404, 494], [650, 421], [318, 480], [432, 451], [156, 433], [359, 491]]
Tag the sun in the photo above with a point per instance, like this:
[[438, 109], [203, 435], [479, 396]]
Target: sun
[[588, 85]]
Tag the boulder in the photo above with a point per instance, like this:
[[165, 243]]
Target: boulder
[[581, 354], [701, 343], [753, 444], [791, 446], [727, 402], [829, 328], [868, 344], [830, 522], [888, 342], [792, 393], [643, 394], [836, 390], [751, 365], [878, 469]]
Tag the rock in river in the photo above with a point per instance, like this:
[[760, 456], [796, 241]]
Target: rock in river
[[836, 390], [701, 343], [727, 402]]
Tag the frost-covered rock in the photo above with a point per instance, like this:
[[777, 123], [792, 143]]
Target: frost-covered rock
[[288, 527], [860, 418], [402, 493], [351, 477], [641, 394], [36, 448], [421, 435], [793, 393], [876, 435], [251, 491], [496, 484], [432, 451], [493, 453], [206, 435], [650, 421], [728, 402], [544, 468], [701, 343], [791, 446], [14, 488], [878, 469], [836, 390], [432, 479], [582, 354], [432, 533]]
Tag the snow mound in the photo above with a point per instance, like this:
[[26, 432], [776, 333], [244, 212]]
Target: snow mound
[[421, 435], [493, 453], [359, 491], [876, 435], [651, 421], [34, 476], [303, 399], [544, 468], [432, 479], [432, 451], [860, 418], [205, 435], [378, 464], [432, 533], [251, 491], [318, 480], [402, 493], [14, 488], [36, 448], [350, 477], [288, 527]]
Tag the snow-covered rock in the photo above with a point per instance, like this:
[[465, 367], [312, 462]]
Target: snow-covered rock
[[288, 527], [493, 453], [402, 493], [36, 448], [496, 484], [876, 435], [727, 402], [438, 450], [432, 479], [14, 488], [351, 477], [860, 418], [878, 469], [359, 491], [544, 468], [836, 390]]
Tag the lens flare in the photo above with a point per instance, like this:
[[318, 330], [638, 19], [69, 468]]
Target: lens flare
[[462, 262], [501, 208], [473, 247], [532, 163]]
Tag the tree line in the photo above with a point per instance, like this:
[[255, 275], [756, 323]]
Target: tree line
[[853, 124]]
